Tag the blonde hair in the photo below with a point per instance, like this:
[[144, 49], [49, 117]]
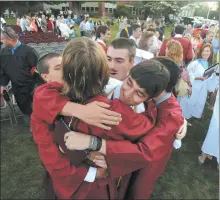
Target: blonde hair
[[85, 69], [174, 51]]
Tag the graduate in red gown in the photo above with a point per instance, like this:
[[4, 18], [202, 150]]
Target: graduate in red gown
[[78, 73], [186, 44], [152, 152], [57, 164]]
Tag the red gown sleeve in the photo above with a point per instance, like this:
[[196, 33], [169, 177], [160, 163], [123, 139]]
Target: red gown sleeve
[[189, 54], [47, 102], [133, 125], [150, 148], [163, 48]]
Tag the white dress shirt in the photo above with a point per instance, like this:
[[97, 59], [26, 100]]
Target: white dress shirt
[[135, 40]]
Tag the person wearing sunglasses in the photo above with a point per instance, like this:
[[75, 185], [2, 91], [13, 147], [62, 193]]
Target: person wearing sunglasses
[[16, 61]]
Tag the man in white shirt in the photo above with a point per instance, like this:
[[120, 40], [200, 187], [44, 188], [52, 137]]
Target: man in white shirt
[[136, 33], [88, 27], [82, 27]]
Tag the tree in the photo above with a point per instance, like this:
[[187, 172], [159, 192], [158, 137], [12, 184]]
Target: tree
[[75, 6], [20, 7], [156, 9], [122, 10]]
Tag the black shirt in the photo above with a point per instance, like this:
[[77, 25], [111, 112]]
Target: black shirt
[[16, 68]]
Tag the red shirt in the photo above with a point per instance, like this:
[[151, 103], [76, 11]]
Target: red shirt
[[187, 48], [50, 25], [103, 46], [151, 154], [68, 180]]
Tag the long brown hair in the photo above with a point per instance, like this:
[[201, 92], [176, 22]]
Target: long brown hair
[[199, 54], [85, 70], [174, 51], [144, 39]]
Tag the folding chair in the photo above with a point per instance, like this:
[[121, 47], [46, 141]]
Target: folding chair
[[13, 103], [50, 49], [32, 44], [43, 45], [9, 108], [58, 51], [53, 44], [38, 49]]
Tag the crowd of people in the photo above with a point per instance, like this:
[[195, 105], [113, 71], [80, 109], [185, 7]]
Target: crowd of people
[[107, 118], [47, 22]]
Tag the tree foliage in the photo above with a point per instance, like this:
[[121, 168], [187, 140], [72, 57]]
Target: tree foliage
[[162, 8], [122, 10], [19, 7]]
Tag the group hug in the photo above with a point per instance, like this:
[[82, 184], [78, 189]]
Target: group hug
[[104, 128]]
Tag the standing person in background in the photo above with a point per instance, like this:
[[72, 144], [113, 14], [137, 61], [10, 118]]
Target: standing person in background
[[187, 45], [44, 24], [69, 21], [189, 29], [17, 60], [210, 146], [28, 23], [103, 35], [155, 46], [156, 26], [22, 24], [58, 22], [33, 25], [136, 33], [174, 51], [50, 24], [82, 27], [208, 39], [194, 105], [215, 43], [127, 30], [196, 39], [87, 27], [38, 24], [146, 41]]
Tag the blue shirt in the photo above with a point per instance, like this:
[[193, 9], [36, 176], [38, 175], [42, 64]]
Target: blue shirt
[[16, 47], [215, 44]]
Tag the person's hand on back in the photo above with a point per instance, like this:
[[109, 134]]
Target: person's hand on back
[[97, 114]]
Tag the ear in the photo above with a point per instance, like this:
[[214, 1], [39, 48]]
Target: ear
[[132, 63], [101, 34], [45, 77]]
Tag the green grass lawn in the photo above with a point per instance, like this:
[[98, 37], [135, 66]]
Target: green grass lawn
[[21, 170]]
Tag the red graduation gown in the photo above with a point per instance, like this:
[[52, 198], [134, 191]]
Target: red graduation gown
[[151, 154], [103, 46], [187, 48], [72, 185]]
